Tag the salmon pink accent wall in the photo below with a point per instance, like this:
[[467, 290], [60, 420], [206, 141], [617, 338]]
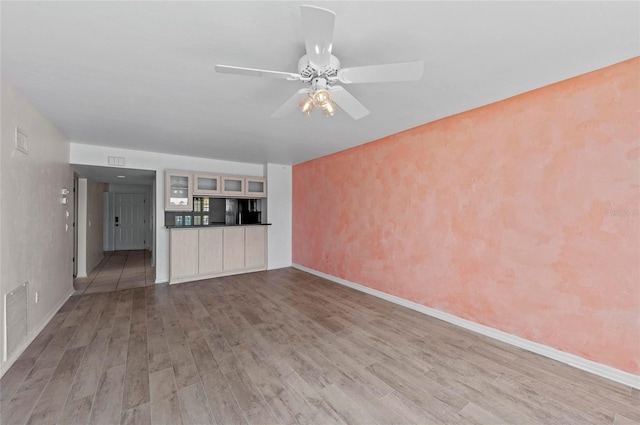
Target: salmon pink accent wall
[[523, 215]]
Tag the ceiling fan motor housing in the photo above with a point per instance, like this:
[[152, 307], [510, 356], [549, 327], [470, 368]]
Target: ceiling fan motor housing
[[309, 70]]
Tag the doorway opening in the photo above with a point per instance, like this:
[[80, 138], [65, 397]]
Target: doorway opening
[[116, 213]]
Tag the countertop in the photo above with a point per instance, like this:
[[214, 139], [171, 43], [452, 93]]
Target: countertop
[[215, 225]]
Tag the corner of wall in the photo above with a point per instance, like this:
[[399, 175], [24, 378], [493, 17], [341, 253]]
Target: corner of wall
[[279, 214]]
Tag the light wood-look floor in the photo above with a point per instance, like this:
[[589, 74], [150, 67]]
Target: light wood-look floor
[[118, 270], [286, 347]]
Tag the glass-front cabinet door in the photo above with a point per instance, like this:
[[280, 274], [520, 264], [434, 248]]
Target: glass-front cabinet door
[[256, 187], [233, 185], [178, 191], [206, 184]]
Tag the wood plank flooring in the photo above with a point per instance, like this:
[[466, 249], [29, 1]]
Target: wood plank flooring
[[286, 347], [118, 270]]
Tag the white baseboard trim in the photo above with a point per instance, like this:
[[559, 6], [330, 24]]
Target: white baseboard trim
[[33, 334], [278, 266], [98, 261], [599, 369]]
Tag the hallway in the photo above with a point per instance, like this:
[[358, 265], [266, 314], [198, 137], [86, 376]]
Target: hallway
[[118, 270]]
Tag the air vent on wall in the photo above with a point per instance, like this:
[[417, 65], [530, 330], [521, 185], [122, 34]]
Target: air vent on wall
[[116, 160], [22, 141], [15, 323]]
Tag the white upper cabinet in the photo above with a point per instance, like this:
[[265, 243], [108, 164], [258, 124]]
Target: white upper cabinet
[[206, 184], [178, 191], [232, 185], [247, 187], [255, 187], [182, 186]]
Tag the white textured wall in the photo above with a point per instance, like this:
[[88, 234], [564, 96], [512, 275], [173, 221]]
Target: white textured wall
[[95, 208], [152, 224], [90, 225], [279, 215], [83, 154], [2, 143], [81, 222], [35, 246]]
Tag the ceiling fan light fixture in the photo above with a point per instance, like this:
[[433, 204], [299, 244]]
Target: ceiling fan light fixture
[[307, 105], [321, 98], [330, 109]]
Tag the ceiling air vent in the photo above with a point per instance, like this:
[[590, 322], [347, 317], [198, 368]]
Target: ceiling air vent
[[22, 141]]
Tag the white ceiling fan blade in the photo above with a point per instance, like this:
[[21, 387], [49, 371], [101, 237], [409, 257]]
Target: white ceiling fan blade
[[226, 69], [348, 103], [405, 71], [291, 104], [317, 25]]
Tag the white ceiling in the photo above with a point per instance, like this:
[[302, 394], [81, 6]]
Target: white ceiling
[[140, 75]]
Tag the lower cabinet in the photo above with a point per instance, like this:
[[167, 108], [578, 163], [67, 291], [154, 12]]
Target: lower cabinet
[[255, 247], [183, 253], [234, 247], [210, 248], [202, 253]]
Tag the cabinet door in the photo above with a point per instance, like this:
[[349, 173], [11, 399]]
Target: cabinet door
[[255, 246], [210, 251], [183, 253], [178, 191], [233, 185], [256, 187], [206, 184], [233, 248]]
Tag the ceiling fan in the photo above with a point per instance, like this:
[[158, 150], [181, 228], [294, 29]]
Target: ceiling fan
[[320, 71]]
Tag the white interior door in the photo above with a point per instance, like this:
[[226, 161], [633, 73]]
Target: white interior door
[[130, 221]]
